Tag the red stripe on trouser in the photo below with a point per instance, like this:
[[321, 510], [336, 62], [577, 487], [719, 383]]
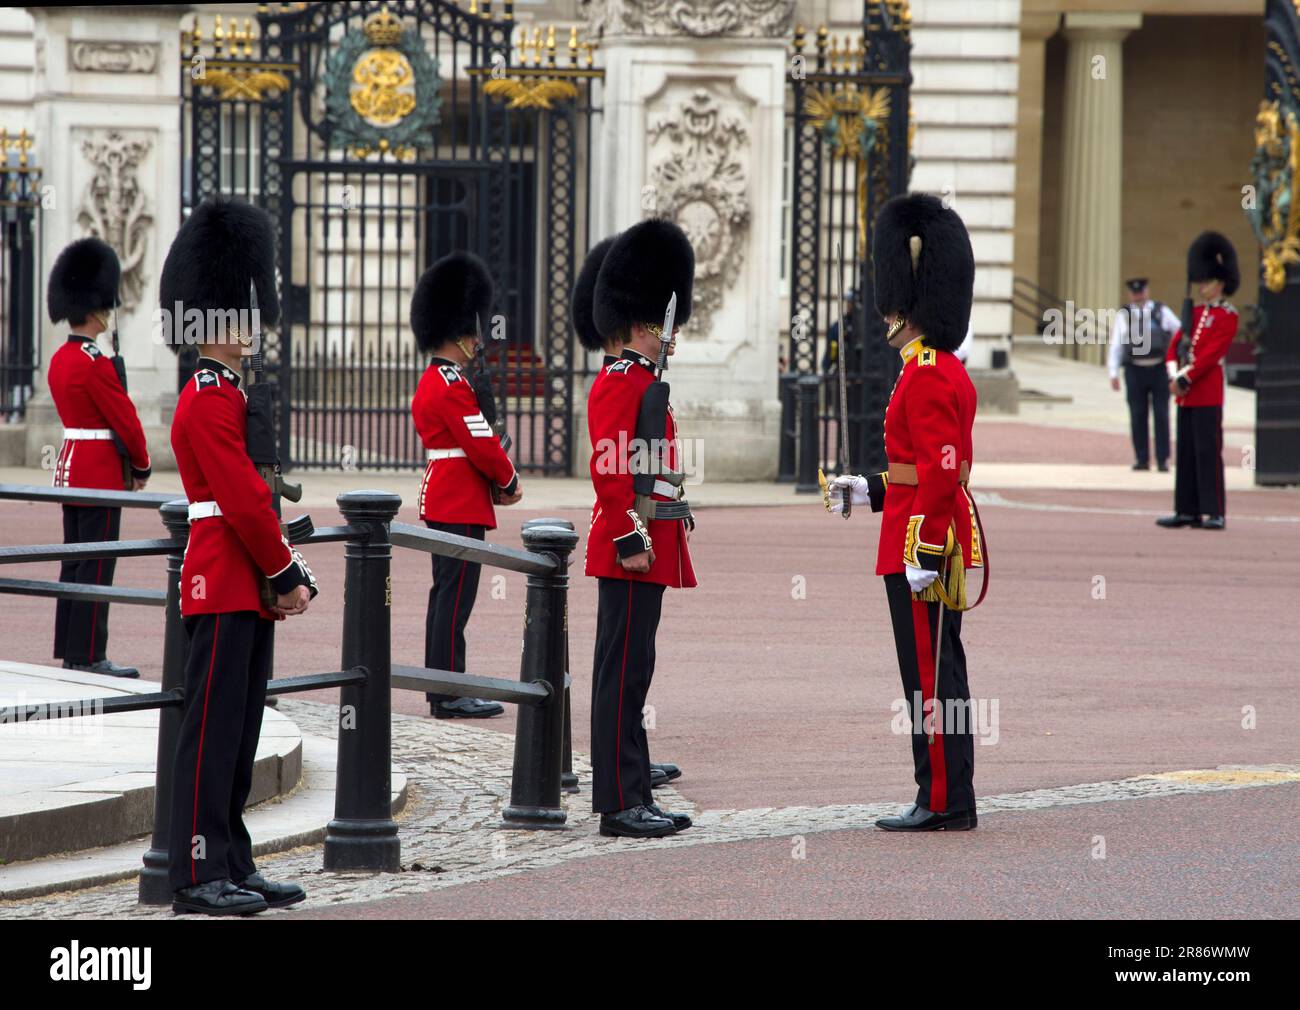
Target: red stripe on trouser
[[203, 726], [94, 610], [455, 611], [928, 675], [618, 737]]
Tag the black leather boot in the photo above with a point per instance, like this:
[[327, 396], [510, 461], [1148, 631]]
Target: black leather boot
[[917, 818], [217, 897], [635, 822], [277, 894], [680, 821], [1175, 521], [465, 708]]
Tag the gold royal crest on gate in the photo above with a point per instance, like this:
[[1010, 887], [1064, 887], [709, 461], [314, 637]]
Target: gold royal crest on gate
[[382, 90]]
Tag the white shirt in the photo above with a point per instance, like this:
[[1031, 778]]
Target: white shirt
[[1119, 335]]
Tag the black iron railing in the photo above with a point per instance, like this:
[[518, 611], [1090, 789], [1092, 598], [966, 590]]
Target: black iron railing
[[362, 834]]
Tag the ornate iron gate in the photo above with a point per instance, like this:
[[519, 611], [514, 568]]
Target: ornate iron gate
[[381, 136], [20, 273], [850, 152]]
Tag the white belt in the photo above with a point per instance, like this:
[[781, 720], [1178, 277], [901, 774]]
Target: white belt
[[88, 434], [446, 454], [664, 488], [203, 510]]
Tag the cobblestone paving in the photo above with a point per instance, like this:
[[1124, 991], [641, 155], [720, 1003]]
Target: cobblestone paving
[[459, 780]]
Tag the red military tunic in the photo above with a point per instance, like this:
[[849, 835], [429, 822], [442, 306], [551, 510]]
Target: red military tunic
[[93, 407], [1213, 328], [227, 552], [616, 530], [465, 456], [927, 426]]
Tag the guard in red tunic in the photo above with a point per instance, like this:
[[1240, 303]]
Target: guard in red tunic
[[468, 470], [1196, 379], [584, 325], [103, 442], [929, 533], [235, 547], [637, 545]]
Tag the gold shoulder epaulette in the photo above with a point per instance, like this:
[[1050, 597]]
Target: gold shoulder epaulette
[[928, 356]]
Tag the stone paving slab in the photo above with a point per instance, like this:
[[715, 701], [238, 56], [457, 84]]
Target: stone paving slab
[[296, 819], [459, 780], [69, 783]]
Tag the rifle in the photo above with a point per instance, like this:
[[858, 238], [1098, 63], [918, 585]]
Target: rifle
[[652, 425], [841, 361], [261, 443], [119, 366]]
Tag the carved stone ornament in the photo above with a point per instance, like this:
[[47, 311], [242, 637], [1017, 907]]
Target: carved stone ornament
[[696, 18], [113, 57], [114, 207], [700, 183]]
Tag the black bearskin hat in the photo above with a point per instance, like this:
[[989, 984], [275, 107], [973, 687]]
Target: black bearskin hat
[[85, 279], [1212, 258], [222, 247], [584, 294], [452, 296], [925, 268], [642, 269]]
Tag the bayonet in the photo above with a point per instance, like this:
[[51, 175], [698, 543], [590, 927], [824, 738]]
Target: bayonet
[[666, 334]]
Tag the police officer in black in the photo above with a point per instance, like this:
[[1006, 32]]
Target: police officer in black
[[1139, 338]]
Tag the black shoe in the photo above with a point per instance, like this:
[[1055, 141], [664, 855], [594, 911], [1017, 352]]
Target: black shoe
[[1175, 521], [1212, 523], [917, 818], [1141, 466], [680, 821], [658, 777], [635, 822], [1162, 467], [217, 897], [105, 667], [465, 708], [669, 771], [277, 894]]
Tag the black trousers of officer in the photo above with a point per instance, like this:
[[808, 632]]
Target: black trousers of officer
[[81, 629], [945, 770], [226, 670], [1147, 387], [451, 601], [627, 618], [1198, 478]]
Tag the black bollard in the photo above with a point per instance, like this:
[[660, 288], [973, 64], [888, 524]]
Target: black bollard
[[809, 386], [155, 889], [363, 834], [568, 778], [786, 456], [539, 733]]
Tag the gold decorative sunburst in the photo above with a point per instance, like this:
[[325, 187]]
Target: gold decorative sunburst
[[847, 118], [531, 94], [244, 85]]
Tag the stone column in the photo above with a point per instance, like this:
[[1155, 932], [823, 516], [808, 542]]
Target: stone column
[[1035, 29], [106, 94], [694, 99], [1091, 170]]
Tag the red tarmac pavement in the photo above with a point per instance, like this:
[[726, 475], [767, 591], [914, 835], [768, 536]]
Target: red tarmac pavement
[[1111, 648], [1224, 855]]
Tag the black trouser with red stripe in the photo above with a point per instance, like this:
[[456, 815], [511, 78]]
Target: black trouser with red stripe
[[451, 601], [226, 670], [1198, 476], [945, 769], [81, 629], [627, 618]]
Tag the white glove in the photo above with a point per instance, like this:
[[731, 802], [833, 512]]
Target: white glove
[[919, 578], [859, 492]]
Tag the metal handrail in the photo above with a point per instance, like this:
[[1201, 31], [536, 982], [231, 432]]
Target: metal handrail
[[451, 545], [84, 592], [465, 685], [86, 496]]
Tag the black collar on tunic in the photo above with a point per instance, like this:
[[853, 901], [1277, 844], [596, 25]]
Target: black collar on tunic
[[438, 359], [630, 355], [82, 337], [609, 359], [222, 369]]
